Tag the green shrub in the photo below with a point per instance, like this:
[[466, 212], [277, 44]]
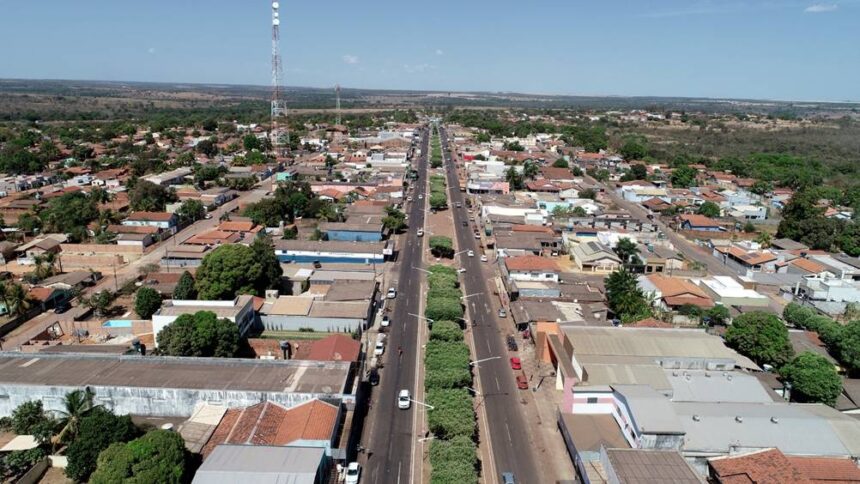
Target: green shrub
[[452, 415], [446, 331]]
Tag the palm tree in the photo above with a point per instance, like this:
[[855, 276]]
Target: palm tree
[[4, 299], [530, 170], [78, 404], [17, 299], [626, 249]]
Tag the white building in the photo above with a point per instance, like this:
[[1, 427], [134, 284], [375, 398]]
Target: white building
[[239, 311]]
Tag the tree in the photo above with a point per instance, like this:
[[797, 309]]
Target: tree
[[634, 148], [709, 209], [444, 309], [717, 315], [438, 201], [268, 212], [514, 179], [185, 289], [147, 302], [441, 246], [200, 334], [77, 404], [158, 456], [99, 302], [588, 193], [530, 170], [30, 418], [761, 337], [848, 346], [149, 197], [190, 211], [626, 249], [446, 331], [625, 299], [69, 213], [394, 220], [17, 298], [683, 177], [264, 255], [560, 163], [29, 223], [764, 239], [636, 172], [813, 379], [453, 414], [250, 142], [227, 271], [207, 147]]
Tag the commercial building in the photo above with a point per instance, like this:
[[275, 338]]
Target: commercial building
[[239, 311], [331, 251], [727, 291], [264, 464]]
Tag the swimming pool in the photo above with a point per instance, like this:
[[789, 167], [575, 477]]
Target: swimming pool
[[117, 323]]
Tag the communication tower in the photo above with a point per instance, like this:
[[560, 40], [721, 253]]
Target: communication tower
[[280, 135]]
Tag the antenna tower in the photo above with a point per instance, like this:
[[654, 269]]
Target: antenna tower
[[337, 105], [280, 135]]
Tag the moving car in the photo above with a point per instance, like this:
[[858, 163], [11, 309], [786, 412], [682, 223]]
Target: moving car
[[522, 382], [392, 293], [508, 478], [353, 473], [471, 253], [516, 364], [409, 199], [465, 223], [458, 204], [420, 232], [404, 400]]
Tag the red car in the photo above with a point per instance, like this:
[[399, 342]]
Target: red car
[[516, 364], [522, 382]]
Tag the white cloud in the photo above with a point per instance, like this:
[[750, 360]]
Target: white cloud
[[821, 8], [439, 52], [350, 59], [151, 50]]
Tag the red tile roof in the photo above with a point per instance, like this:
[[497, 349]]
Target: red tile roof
[[531, 263], [336, 347], [151, 216], [699, 220], [41, 294], [532, 228], [827, 470], [271, 424], [762, 467], [649, 323]]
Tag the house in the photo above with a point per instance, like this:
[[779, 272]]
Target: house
[[671, 293], [729, 292], [659, 259], [748, 212], [747, 260], [532, 268], [290, 313], [656, 204], [47, 297], [7, 251], [593, 256], [771, 465], [335, 347], [29, 252], [173, 177], [700, 223], [264, 464], [161, 220], [239, 311], [312, 423]]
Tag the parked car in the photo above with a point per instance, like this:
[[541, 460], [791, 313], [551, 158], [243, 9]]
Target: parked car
[[420, 196], [477, 235], [461, 270], [386, 321], [420, 233], [458, 205], [516, 364], [379, 349], [409, 199], [392, 293], [373, 378], [353, 473], [503, 313], [465, 223], [522, 382], [512, 343], [404, 400], [484, 258]]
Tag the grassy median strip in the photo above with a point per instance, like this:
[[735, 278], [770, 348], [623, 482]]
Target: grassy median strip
[[447, 378]]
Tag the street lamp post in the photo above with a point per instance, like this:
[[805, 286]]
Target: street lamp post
[[475, 363]]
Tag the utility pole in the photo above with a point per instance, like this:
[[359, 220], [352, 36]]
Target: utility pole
[[337, 102]]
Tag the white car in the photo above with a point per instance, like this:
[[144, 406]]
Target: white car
[[404, 400], [471, 253], [421, 196], [461, 270], [386, 321], [408, 199], [379, 349], [353, 473], [420, 233], [483, 258], [392, 293]]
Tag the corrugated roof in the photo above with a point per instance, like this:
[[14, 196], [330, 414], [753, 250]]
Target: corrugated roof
[[292, 306], [641, 466]]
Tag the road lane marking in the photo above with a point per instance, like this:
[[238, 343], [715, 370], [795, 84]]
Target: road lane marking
[[498, 385], [509, 433]]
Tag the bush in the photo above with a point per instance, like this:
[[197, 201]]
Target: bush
[[159, 456], [147, 302], [97, 430], [446, 364], [453, 460], [438, 201], [199, 334], [446, 331], [444, 308], [452, 415], [441, 246]]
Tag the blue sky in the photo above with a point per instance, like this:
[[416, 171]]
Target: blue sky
[[779, 49]]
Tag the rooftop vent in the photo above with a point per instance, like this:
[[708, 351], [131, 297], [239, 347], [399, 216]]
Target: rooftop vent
[[739, 419], [774, 420], [696, 418]]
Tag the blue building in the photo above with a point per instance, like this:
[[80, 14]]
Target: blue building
[[331, 251], [352, 232]]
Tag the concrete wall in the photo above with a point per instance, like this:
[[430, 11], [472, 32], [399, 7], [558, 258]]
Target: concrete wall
[[148, 401], [353, 236], [293, 323]]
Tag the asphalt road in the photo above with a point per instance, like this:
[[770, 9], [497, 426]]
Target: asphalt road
[[509, 444], [391, 446]]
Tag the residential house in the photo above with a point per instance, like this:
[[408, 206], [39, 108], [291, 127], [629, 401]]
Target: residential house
[[672, 293], [700, 223], [160, 220], [29, 252], [532, 268], [593, 256]]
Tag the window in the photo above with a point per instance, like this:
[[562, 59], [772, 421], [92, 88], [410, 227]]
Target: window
[[591, 400]]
